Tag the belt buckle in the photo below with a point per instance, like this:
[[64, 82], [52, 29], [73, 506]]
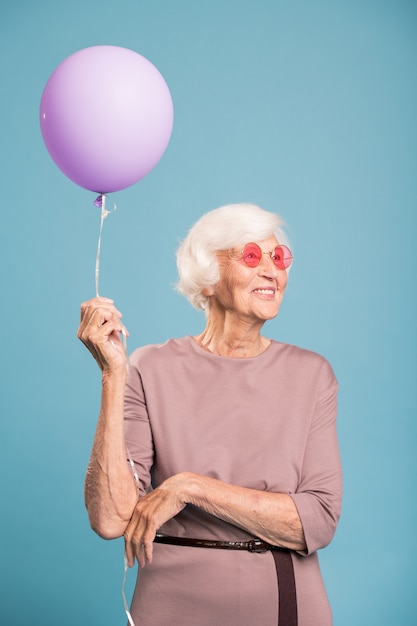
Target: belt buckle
[[257, 545]]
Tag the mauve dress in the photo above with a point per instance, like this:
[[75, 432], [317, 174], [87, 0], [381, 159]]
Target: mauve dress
[[266, 422]]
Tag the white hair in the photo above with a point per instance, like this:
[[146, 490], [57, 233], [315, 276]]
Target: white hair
[[221, 229]]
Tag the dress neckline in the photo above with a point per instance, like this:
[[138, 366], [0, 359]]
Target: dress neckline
[[198, 348]]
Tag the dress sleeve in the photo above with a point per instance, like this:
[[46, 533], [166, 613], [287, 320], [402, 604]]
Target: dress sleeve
[[319, 494], [138, 434]]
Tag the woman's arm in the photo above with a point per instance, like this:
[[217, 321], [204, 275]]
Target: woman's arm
[[272, 517], [110, 490]]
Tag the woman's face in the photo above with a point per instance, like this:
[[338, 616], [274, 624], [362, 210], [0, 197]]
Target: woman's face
[[251, 293]]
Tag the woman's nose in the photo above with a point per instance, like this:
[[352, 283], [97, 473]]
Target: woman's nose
[[267, 266]]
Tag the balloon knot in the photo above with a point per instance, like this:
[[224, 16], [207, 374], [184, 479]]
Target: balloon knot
[[99, 201]]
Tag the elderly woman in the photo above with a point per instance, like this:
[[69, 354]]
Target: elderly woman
[[216, 456]]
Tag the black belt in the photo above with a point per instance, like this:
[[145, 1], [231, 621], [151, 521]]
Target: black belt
[[287, 597], [254, 545]]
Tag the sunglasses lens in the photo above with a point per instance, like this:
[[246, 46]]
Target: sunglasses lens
[[282, 257], [252, 254]]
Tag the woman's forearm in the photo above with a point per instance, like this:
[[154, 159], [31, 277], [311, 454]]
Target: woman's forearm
[[110, 490], [272, 517]]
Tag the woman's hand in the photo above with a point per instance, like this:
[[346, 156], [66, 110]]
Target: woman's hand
[[100, 331], [150, 513]]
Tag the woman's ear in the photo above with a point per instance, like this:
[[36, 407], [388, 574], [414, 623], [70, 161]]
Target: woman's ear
[[207, 291]]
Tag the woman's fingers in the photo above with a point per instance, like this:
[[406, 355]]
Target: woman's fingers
[[101, 329], [94, 302], [130, 551], [138, 541], [102, 308], [147, 551], [139, 535]]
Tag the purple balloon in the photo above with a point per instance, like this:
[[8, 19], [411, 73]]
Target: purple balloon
[[106, 117]]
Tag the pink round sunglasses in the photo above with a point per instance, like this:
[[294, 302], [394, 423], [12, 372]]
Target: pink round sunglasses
[[281, 255]]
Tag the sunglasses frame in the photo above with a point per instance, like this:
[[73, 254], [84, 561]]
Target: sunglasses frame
[[284, 265]]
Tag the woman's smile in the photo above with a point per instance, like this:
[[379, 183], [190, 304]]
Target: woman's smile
[[265, 291]]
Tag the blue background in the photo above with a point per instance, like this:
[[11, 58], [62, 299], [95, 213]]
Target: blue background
[[305, 107]]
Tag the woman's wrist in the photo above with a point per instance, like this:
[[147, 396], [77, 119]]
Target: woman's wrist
[[192, 489], [114, 376], [113, 388], [184, 485]]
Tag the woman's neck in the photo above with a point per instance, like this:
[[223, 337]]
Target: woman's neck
[[233, 338]]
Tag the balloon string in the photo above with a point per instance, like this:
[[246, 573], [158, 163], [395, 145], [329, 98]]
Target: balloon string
[[100, 202], [129, 617]]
